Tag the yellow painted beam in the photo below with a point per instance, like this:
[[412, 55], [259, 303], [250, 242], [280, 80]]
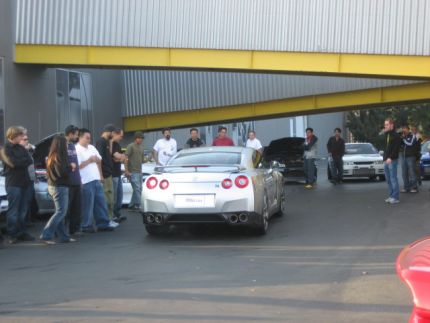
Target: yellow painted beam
[[259, 61], [294, 106]]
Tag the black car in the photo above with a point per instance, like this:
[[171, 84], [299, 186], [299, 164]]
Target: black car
[[288, 152]]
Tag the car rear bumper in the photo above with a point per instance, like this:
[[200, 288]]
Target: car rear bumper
[[231, 218]]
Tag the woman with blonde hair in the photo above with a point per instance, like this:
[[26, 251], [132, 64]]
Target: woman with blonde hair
[[16, 160], [57, 170]]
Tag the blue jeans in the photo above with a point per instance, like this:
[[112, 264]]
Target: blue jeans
[[408, 173], [117, 196], [136, 184], [310, 170], [94, 206], [391, 176], [56, 225], [18, 199]]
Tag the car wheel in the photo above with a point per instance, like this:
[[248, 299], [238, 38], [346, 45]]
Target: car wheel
[[264, 225], [155, 230], [381, 178], [282, 203]]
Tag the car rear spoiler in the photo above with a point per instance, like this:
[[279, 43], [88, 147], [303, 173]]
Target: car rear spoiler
[[161, 169]]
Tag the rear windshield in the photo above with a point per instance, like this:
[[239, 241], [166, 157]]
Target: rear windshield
[[206, 158], [425, 147], [360, 149]]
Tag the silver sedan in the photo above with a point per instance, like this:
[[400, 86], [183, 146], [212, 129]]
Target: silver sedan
[[207, 185]]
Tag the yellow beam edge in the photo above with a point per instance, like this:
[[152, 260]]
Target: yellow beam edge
[[294, 106], [297, 62]]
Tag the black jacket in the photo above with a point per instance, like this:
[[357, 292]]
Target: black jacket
[[58, 174], [16, 161], [336, 147], [409, 145], [103, 146], [392, 145]]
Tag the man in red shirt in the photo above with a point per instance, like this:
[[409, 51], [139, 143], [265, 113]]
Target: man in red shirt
[[222, 139]]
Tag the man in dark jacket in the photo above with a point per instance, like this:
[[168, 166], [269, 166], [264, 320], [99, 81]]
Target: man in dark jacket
[[391, 156], [104, 148], [408, 158], [336, 150], [16, 161]]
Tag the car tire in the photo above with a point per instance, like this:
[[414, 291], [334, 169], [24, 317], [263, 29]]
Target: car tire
[[381, 178], [155, 230], [282, 203], [262, 228]]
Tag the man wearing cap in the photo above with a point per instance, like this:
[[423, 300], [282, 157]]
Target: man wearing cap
[[104, 148], [133, 168]]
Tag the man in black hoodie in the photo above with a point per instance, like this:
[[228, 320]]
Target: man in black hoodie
[[336, 150], [409, 157], [16, 161], [391, 156]]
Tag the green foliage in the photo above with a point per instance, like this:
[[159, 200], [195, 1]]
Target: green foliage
[[367, 125]]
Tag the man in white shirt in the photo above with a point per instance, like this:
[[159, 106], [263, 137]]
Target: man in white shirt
[[253, 142], [164, 148], [94, 206]]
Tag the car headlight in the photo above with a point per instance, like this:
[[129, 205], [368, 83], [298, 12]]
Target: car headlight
[[349, 163], [378, 162]]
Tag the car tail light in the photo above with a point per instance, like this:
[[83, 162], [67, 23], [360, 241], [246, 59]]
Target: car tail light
[[241, 181], [227, 183], [151, 183], [164, 184]]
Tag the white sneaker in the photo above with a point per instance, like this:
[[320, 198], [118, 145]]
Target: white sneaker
[[394, 201], [387, 200], [113, 224]]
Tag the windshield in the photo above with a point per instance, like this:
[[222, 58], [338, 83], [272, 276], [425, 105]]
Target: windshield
[[206, 158], [425, 147], [361, 149]]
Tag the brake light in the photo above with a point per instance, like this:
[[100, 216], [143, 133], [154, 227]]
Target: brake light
[[151, 183], [164, 184], [241, 181], [227, 183]]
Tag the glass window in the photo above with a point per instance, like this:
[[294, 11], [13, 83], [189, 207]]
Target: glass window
[[206, 158], [74, 99], [360, 149]]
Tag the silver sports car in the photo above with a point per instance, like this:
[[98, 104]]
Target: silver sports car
[[213, 185]]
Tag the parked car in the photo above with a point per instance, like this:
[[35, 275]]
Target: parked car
[[288, 152], [213, 185], [412, 266], [425, 160], [147, 170], [45, 203], [3, 196], [362, 160]]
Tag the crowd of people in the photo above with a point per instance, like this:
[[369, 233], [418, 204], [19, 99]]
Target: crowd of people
[[85, 183], [84, 180]]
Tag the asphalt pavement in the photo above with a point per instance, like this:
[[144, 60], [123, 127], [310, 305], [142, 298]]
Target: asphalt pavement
[[330, 258]]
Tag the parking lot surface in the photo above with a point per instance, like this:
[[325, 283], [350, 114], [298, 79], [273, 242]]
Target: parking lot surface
[[330, 258]]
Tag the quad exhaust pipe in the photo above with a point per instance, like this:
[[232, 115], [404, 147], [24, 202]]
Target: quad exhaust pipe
[[236, 218], [243, 217]]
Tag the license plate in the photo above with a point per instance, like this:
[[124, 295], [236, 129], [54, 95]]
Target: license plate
[[194, 201], [427, 170], [364, 172]]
